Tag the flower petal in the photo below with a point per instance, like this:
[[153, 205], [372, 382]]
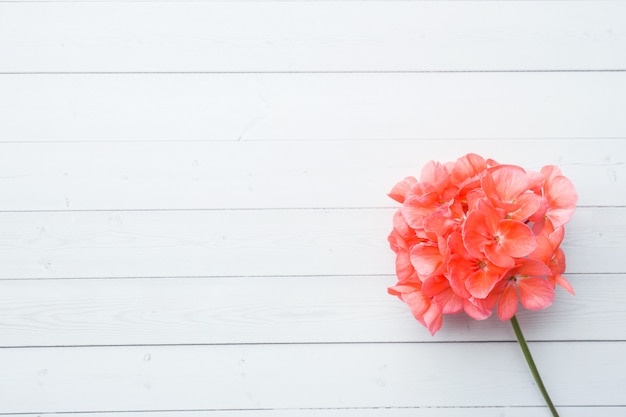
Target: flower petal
[[481, 282], [516, 238], [404, 268], [562, 201], [449, 302], [535, 293], [432, 319], [426, 259], [507, 306], [476, 233], [436, 174], [504, 184], [476, 309], [544, 250], [560, 280], [561, 195], [496, 255], [399, 191], [530, 268], [413, 297], [467, 167], [529, 204]]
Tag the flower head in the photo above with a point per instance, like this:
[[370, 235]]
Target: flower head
[[474, 235]]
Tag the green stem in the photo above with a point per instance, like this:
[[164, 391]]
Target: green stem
[[532, 366]]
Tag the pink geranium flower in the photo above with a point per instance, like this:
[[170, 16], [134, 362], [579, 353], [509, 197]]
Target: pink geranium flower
[[469, 275], [550, 253], [474, 235], [560, 195], [487, 232], [526, 279], [509, 187], [424, 309]]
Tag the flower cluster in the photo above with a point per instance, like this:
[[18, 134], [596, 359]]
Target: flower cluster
[[473, 235]]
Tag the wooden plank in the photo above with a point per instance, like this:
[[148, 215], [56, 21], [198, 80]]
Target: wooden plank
[[371, 412], [246, 242], [282, 174], [151, 107], [276, 310], [311, 36], [227, 377]]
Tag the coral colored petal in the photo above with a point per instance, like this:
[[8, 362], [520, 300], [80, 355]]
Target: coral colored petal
[[496, 255], [415, 300], [426, 259], [476, 233], [562, 199], [417, 303], [414, 215], [539, 217], [435, 174], [480, 283], [535, 293], [544, 250], [399, 191], [455, 243], [504, 183], [449, 302], [550, 171], [401, 226], [507, 307], [435, 285], [560, 280], [404, 268], [530, 268], [432, 319], [395, 241], [529, 204], [468, 167], [440, 223], [400, 289], [459, 269], [556, 236], [476, 309], [535, 180], [493, 215], [557, 263], [516, 238], [423, 195], [560, 216], [511, 181], [473, 196]]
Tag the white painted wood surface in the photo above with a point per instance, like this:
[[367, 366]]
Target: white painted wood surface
[[312, 106], [194, 216], [311, 36]]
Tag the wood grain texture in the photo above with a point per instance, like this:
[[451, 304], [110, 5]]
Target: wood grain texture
[[217, 243], [193, 218], [274, 174], [337, 309], [153, 107], [312, 36], [226, 377]]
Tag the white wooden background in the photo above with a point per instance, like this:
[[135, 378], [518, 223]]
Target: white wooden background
[[193, 218]]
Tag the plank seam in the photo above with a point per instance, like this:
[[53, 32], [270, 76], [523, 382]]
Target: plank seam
[[204, 410], [294, 276], [170, 210], [313, 72], [208, 141], [344, 343]]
